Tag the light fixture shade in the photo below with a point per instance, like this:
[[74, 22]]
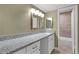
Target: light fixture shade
[[42, 15], [49, 18], [32, 10], [37, 12]]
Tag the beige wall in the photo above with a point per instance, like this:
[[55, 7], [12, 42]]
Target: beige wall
[[78, 30], [15, 19], [54, 16]]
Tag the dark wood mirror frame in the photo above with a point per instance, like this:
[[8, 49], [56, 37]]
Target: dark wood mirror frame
[[49, 23]]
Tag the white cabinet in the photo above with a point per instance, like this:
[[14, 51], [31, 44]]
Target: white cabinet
[[22, 51], [31, 49], [34, 48], [36, 52], [44, 46], [50, 43], [47, 45]]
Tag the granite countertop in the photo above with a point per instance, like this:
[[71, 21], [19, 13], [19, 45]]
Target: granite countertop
[[7, 46]]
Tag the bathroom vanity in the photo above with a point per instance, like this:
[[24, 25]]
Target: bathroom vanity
[[40, 43]]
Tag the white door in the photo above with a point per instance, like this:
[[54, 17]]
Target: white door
[[66, 29]]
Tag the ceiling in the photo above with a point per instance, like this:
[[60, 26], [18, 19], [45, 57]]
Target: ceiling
[[50, 7]]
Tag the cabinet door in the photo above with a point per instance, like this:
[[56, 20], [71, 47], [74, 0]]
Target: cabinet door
[[50, 43], [44, 46], [22, 51], [36, 52]]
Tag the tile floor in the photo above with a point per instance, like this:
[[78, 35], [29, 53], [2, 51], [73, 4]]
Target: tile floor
[[64, 47]]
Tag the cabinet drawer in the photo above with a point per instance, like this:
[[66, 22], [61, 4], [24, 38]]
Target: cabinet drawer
[[22, 51], [36, 52], [33, 47]]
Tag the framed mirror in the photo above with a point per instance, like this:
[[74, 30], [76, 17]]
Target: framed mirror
[[40, 22], [49, 22], [34, 22], [36, 18]]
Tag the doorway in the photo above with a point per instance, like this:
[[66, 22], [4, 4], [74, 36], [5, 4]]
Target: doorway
[[66, 30]]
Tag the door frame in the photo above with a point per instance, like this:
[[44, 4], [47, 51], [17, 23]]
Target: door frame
[[74, 22]]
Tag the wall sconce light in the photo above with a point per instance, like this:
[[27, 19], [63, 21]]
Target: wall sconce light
[[42, 15], [49, 18], [37, 12], [32, 10]]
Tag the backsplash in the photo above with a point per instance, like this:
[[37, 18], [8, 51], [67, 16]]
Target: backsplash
[[7, 37]]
